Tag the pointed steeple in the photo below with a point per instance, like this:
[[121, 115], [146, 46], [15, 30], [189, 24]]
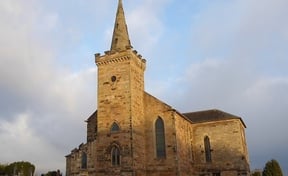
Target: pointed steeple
[[120, 39]]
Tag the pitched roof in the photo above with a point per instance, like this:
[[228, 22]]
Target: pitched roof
[[94, 115], [210, 116]]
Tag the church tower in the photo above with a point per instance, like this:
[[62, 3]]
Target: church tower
[[120, 111], [132, 133]]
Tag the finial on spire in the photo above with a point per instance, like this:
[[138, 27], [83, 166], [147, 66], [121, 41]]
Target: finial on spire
[[120, 39]]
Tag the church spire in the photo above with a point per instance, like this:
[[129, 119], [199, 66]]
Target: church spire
[[120, 39]]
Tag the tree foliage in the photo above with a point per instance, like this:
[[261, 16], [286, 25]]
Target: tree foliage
[[52, 173], [272, 168], [22, 167], [2, 169], [257, 173]]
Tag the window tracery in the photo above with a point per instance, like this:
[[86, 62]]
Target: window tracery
[[115, 156]]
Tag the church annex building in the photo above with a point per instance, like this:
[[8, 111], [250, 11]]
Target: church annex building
[[132, 133]]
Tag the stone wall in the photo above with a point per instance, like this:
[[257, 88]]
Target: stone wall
[[159, 166], [184, 136], [137, 67], [92, 127], [120, 100], [228, 148]]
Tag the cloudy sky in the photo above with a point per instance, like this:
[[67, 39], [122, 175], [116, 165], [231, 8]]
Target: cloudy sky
[[201, 54]]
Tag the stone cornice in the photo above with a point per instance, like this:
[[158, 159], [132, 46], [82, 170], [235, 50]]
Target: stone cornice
[[105, 61], [118, 57]]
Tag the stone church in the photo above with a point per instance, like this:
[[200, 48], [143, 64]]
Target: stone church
[[132, 133]]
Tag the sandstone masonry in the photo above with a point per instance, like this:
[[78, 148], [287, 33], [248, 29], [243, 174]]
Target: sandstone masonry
[[132, 133]]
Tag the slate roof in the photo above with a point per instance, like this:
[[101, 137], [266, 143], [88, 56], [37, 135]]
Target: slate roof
[[210, 116]]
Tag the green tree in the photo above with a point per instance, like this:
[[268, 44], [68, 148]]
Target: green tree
[[272, 168], [2, 169], [53, 173], [257, 173], [16, 168]]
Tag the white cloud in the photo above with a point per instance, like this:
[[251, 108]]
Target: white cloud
[[145, 24], [43, 106], [44, 100], [247, 74], [20, 142]]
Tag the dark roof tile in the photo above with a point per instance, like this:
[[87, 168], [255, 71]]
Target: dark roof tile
[[210, 116]]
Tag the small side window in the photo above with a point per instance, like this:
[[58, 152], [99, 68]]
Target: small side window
[[84, 161], [207, 146], [115, 127]]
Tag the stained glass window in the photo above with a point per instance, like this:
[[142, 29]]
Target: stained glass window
[[160, 138]]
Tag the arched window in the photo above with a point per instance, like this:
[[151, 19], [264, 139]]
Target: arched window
[[160, 138], [115, 156], [207, 149], [115, 127], [84, 161]]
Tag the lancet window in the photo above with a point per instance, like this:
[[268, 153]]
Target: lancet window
[[115, 156], [160, 138], [84, 161], [207, 146]]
